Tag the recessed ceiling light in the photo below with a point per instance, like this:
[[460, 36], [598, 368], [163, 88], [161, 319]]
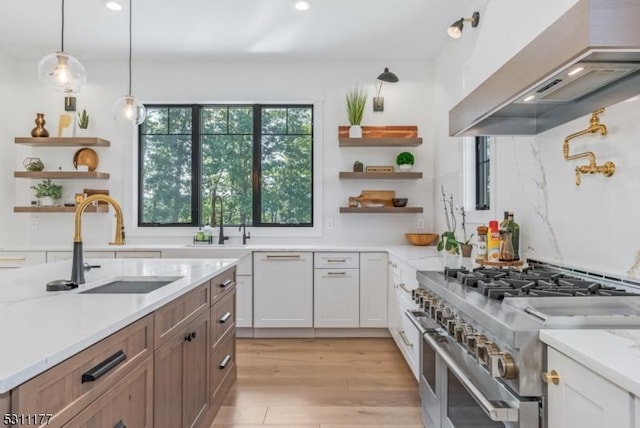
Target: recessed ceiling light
[[112, 5], [302, 5], [529, 98], [575, 71]]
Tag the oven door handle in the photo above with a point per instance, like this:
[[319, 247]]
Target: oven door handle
[[497, 411]]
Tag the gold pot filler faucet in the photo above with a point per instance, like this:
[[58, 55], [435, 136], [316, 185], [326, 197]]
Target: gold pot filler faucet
[[594, 127], [78, 266]]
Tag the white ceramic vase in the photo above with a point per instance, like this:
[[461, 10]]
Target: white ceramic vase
[[355, 131], [46, 201], [405, 167]]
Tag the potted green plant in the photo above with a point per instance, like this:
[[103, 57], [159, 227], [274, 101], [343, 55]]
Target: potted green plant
[[448, 240], [356, 99], [47, 192], [465, 246], [405, 161]]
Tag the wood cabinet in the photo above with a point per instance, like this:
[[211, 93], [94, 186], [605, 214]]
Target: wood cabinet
[[70, 386], [129, 403], [373, 289], [583, 398], [64, 175], [283, 289]]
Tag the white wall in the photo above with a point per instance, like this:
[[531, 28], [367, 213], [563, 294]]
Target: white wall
[[593, 226], [409, 102]]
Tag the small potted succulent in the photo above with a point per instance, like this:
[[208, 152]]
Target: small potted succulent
[[405, 161], [83, 121], [356, 99], [47, 192], [358, 166]]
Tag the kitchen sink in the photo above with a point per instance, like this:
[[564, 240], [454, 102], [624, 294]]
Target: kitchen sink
[[133, 285]]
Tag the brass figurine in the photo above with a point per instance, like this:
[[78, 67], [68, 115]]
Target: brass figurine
[[593, 168]]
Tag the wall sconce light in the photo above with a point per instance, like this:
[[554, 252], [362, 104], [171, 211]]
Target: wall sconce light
[[385, 76], [61, 70], [455, 30]]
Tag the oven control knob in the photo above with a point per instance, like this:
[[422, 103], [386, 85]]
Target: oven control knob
[[458, 331], [506, 367], [473, 340], [433, 308], [484, 352], [428, 302], [452, 324], [443, 315], [465, 333]]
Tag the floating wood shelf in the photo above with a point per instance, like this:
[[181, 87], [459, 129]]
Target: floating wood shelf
[[63, 142], [381, 175], [60, 209], [61, 174], [379, 142], [385, 131], [380, 210]]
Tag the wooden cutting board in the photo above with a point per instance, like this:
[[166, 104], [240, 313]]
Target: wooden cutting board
[[376, 197]]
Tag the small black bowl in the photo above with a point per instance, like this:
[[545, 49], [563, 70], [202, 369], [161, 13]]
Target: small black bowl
[[399, 202]]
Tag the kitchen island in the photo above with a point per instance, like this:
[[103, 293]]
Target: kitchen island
[[44, 332]]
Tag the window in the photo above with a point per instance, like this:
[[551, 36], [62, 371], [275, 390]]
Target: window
[[483, 163], [257, 158]]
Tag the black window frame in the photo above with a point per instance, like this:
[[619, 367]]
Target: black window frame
[[196, 162], [483, 173]]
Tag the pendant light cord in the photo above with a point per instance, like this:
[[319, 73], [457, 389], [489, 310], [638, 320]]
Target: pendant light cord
[[130, 20], [62, 30]]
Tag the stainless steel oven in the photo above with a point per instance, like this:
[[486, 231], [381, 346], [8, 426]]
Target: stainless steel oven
[[456, 392]]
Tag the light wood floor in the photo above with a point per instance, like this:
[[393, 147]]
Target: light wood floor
[[321, 383]]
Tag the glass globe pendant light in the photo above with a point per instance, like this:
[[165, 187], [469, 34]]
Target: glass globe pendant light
[[127, 109], [61, 70]]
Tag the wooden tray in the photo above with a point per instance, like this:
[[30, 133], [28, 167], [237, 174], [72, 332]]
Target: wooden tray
[[384, 197], [514, 263]]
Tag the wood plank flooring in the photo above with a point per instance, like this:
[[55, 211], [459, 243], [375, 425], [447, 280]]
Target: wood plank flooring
[[321, 383]]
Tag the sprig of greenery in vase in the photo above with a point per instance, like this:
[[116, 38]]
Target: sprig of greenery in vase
[[356, 100], [48, 188], [83, 120], [448, 240]]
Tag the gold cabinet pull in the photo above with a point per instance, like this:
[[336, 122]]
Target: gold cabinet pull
[[13, 259], [551, 377], [404, 288], [406, 341]]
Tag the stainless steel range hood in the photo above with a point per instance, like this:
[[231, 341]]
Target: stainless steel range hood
[[589, 58]]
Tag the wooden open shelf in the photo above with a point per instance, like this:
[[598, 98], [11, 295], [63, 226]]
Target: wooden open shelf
[[380, 175], [379, 142], [60, 209], [380, 210], [63, 142], [61, 174]]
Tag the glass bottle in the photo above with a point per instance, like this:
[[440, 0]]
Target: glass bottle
[[506, 246], [482, 242], [515, 236]]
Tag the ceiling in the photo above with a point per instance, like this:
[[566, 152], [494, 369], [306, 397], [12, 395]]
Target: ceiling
[[231, 29]]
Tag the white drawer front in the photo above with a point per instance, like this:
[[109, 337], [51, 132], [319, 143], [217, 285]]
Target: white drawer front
[[331, 260]]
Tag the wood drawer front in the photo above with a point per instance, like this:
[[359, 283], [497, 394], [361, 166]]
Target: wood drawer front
[[336, 260], [223, 317], [129, 403], [221, 284], [175, 315], [223, 362], [60, 390]]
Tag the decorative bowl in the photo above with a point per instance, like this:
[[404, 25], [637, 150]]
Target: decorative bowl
[[421, 239], [399, 202]]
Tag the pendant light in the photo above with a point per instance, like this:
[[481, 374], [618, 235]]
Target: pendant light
[[61, 70], [127, 109]]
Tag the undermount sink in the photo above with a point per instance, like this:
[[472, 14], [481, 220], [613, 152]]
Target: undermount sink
[[132, 285]]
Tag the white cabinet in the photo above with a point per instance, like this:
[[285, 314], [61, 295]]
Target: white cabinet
[[373, 289], [282, 289], [336, 290], [637, 412], [584, 399], [406, 335], [16, 259], [56, 256]]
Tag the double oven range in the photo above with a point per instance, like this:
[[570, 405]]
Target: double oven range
[[481, 358]]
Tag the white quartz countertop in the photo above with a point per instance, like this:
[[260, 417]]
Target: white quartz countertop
[[39, 329], [613, 354]]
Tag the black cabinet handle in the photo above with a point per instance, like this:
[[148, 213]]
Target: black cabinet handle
[[226, 283], [225, 317], [120, 424], [189, 337], [193, 335], [104, 367], [224, 362]]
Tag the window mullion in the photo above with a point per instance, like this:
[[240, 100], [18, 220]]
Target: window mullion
[[257, 165], [196, 166]]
